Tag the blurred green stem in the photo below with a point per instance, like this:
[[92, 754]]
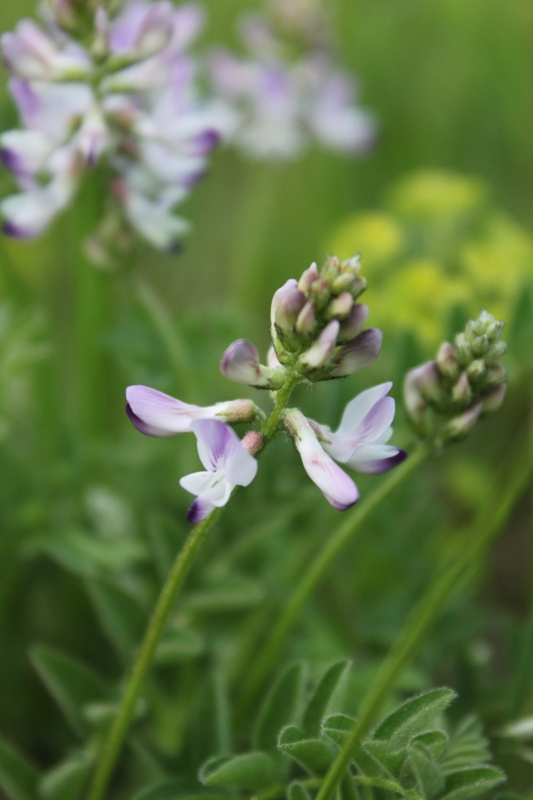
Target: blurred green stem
[[252, 221], [484, 527], [260, 670], [117, 733], [170, 336], [92, 311]]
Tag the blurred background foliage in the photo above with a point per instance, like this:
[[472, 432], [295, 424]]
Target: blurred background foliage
[[442, 213]]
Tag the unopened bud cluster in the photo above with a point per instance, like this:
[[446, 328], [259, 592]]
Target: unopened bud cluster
[[464, 382], [316, 330]]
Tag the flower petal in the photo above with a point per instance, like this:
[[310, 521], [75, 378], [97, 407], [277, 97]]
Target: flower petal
[[358, 408], [241, 467], [375, 458], [157, 414], [199, 510], [358, 354], [216, 443], [197, 482]]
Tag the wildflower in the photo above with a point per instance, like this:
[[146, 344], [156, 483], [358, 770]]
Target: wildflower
[[464, 382], [227, 463], [157, 414], [114, 87], [275, 108], [360, 443], [240, 363]]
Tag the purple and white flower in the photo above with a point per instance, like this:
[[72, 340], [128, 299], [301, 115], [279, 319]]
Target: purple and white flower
[[129, 96], [275, 108], [158, 414], [359, 443], [227, 464]]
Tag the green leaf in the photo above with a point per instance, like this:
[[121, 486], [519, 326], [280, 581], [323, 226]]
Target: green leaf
[[254, 771], [230, 594], [467, 747], [18, 778], [314, 755], [173, 790], [429, 777], [472, 781], [521, 334], [413, 717], [391, 763], [318, 703], [210, 730], [338, 727], [279, 708], [434, 741], [72, 685], [67, 780], [178, 645], [87, 554], [121, 617], [297, 792]]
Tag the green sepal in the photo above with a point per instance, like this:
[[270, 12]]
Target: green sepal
[[318, 703], [412, 718], [73, 685], [67, 780], [314, 755], [253, 771], [471, 782], [18, 778], [279, 708]]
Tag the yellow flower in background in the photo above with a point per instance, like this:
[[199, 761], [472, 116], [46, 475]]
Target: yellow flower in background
[[377, 235], [499, 262], [429, 194], [418, 296], [442, 244]]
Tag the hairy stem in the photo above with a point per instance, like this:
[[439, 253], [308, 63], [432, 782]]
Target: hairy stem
[[316, 571], [117, 733], [485, 526]]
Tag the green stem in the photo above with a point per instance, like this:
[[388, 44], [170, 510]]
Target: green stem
[[484, 528], [119, 728], [170, 336], [281, 400], [316, 571], [521, 688]]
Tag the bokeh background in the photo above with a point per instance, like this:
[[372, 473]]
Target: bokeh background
[[442, 213]]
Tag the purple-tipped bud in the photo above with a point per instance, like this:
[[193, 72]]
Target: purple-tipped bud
[[319, 353], [306, 322], [340, 307], [240, 363], [459, 427], [430, 384], [354, 323], [358, 354], [447, 361], [308, 277], [493, 399], [462, 391], [415, 404], [495, 376], [287, 303]]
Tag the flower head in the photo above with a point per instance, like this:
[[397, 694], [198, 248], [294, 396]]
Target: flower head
[[227, 464]]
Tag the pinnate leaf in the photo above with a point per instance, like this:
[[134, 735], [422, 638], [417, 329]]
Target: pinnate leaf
[[280, 707], [253, 771], [18, 778], [413, 718], [318, 703], [471, 782], [315, 755]]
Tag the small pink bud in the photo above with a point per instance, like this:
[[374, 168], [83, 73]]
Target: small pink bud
[[321, 350]]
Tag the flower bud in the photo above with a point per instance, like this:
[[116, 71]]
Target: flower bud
[[340, 307], [447, 361], [476, 370], [462, 392], [240, 363], [321, 350], [458, 427], [431, 386], [308, 278], [495, 352], [354, 323], [306, 323], [320, 293], [415, 403], [358, 354], [480, 345], [495, 376], [463, 349], [235, 411], [253, 442], [287, 303], [494, 398]]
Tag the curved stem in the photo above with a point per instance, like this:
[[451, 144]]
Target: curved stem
[[315, 572], [119, 728], [486, 525]]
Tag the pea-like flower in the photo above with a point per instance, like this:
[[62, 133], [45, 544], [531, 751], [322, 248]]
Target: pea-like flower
[[227, 464], [158, 414], [359, 442]]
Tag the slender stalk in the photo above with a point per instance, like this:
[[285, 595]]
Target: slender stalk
[[486, 525], [316, 571], [115, 738], [521, 687]]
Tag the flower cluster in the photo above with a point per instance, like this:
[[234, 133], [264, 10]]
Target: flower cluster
[[463, 383], [316, 330], [316, 335], [92, 84], [276, 101]]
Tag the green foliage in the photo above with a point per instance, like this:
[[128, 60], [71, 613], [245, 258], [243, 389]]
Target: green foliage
[[17, 777]]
